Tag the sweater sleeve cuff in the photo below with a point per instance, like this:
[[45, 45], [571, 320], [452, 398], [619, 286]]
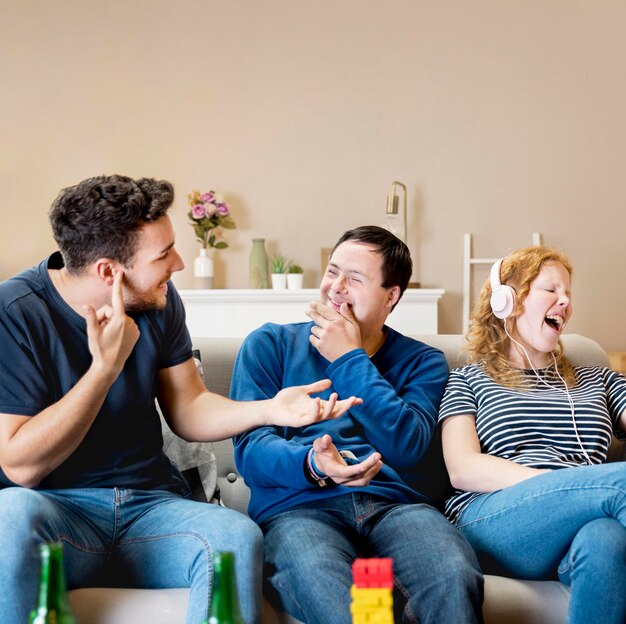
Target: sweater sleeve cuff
[[345, 358]]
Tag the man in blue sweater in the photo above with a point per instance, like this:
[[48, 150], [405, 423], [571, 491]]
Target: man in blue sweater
[[330, 492]]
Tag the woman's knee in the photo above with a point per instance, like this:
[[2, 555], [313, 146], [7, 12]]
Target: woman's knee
[[598, 546], [601, 537]]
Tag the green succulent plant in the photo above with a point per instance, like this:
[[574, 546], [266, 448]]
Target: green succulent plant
[[279, 264]]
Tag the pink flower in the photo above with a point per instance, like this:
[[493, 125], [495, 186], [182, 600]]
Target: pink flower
[[198, 211], [208, 213]]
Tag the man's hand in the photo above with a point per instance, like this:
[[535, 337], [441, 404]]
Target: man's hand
[[293, 407], [333, 465], [111, 334], [334, 333]]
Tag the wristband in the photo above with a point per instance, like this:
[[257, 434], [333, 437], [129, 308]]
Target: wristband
[[316, 470], [318, 478]]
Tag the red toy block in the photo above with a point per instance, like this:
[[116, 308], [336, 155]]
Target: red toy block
[[373, 572]]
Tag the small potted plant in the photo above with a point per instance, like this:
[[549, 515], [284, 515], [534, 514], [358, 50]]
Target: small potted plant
[[294, 277], [279, 265]]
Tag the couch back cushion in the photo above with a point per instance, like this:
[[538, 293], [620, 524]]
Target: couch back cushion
[[218, 358]]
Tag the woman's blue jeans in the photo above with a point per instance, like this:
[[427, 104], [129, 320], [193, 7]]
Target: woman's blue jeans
[[309, 552], [125, 538], [568, 524]]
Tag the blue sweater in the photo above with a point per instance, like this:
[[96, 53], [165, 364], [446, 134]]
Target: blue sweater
[[401, 386]]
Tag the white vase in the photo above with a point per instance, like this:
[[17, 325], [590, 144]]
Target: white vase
[[294, 281], [203, 270], [279, 281]]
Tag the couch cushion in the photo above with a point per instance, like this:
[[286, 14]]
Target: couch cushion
[[129, 606], [195, 460], [507, 601]]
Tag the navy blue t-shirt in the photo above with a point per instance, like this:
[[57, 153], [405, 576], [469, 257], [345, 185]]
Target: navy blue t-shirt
[[43, 354]]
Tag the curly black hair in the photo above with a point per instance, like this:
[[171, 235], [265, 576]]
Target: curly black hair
[[100, 217]]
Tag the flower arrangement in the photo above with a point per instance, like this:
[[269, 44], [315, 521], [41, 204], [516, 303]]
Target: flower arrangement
[[208, 212]]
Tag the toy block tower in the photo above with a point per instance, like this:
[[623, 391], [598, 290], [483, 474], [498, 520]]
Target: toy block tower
[[372, 599]]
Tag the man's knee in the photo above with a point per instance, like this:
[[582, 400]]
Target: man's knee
[[242, 524], [21, 510], [246, 530], [454, 553]]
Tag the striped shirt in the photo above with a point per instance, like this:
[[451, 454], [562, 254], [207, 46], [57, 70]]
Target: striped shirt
[[532, 425]]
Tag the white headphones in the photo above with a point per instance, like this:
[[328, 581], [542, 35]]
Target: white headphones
[[502, 296]]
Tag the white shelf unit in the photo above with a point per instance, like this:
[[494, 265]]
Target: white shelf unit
[[235, 313]]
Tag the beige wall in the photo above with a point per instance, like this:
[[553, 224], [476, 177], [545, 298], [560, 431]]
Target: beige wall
[[502, 117]]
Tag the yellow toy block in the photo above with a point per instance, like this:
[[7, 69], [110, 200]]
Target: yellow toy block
[[374, 596]]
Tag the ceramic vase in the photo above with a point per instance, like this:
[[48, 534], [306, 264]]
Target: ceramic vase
[[203, 270], [259, 275]]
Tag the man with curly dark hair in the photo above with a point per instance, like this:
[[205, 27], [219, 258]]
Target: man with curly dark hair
[[90, 338]]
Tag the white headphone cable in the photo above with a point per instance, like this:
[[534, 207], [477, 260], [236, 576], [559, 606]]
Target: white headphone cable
[[570, 400]]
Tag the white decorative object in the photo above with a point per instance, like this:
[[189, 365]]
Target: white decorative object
[[203, 270], [294, 281], [279, 281]]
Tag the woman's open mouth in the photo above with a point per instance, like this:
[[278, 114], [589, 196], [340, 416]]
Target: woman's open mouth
[[554, 321]]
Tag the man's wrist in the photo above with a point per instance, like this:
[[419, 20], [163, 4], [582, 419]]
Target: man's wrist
[[102, 374], [313, 474]]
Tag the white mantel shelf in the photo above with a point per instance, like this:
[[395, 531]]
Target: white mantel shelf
[[236, 312]]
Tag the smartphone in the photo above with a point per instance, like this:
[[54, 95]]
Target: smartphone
[[349, 457]]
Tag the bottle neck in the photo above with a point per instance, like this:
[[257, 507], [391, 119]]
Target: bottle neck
[[43, 596], [224, 601], [52, 595]]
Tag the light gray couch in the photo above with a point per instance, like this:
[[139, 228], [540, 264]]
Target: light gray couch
[[507, 601]]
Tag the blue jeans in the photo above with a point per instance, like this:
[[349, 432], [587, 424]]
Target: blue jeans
[[309, 553], [124, 538], [568, 524]]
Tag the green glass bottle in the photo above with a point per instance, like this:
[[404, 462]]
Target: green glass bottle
[[52, 605], [224, 602]]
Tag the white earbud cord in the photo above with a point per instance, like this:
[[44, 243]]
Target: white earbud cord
[[570, 400]]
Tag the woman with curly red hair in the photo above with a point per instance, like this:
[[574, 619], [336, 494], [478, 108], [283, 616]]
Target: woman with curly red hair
[[525, 437]]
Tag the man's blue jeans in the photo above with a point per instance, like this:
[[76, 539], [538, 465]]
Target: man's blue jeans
[[124, 538], [570, 524], [309, 553]]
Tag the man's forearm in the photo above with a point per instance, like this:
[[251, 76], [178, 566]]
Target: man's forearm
[[197, 415], [210, 417], [32, 447]]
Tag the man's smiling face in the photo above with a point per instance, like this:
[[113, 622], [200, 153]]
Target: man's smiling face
[[354, 276], [145, 281]]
